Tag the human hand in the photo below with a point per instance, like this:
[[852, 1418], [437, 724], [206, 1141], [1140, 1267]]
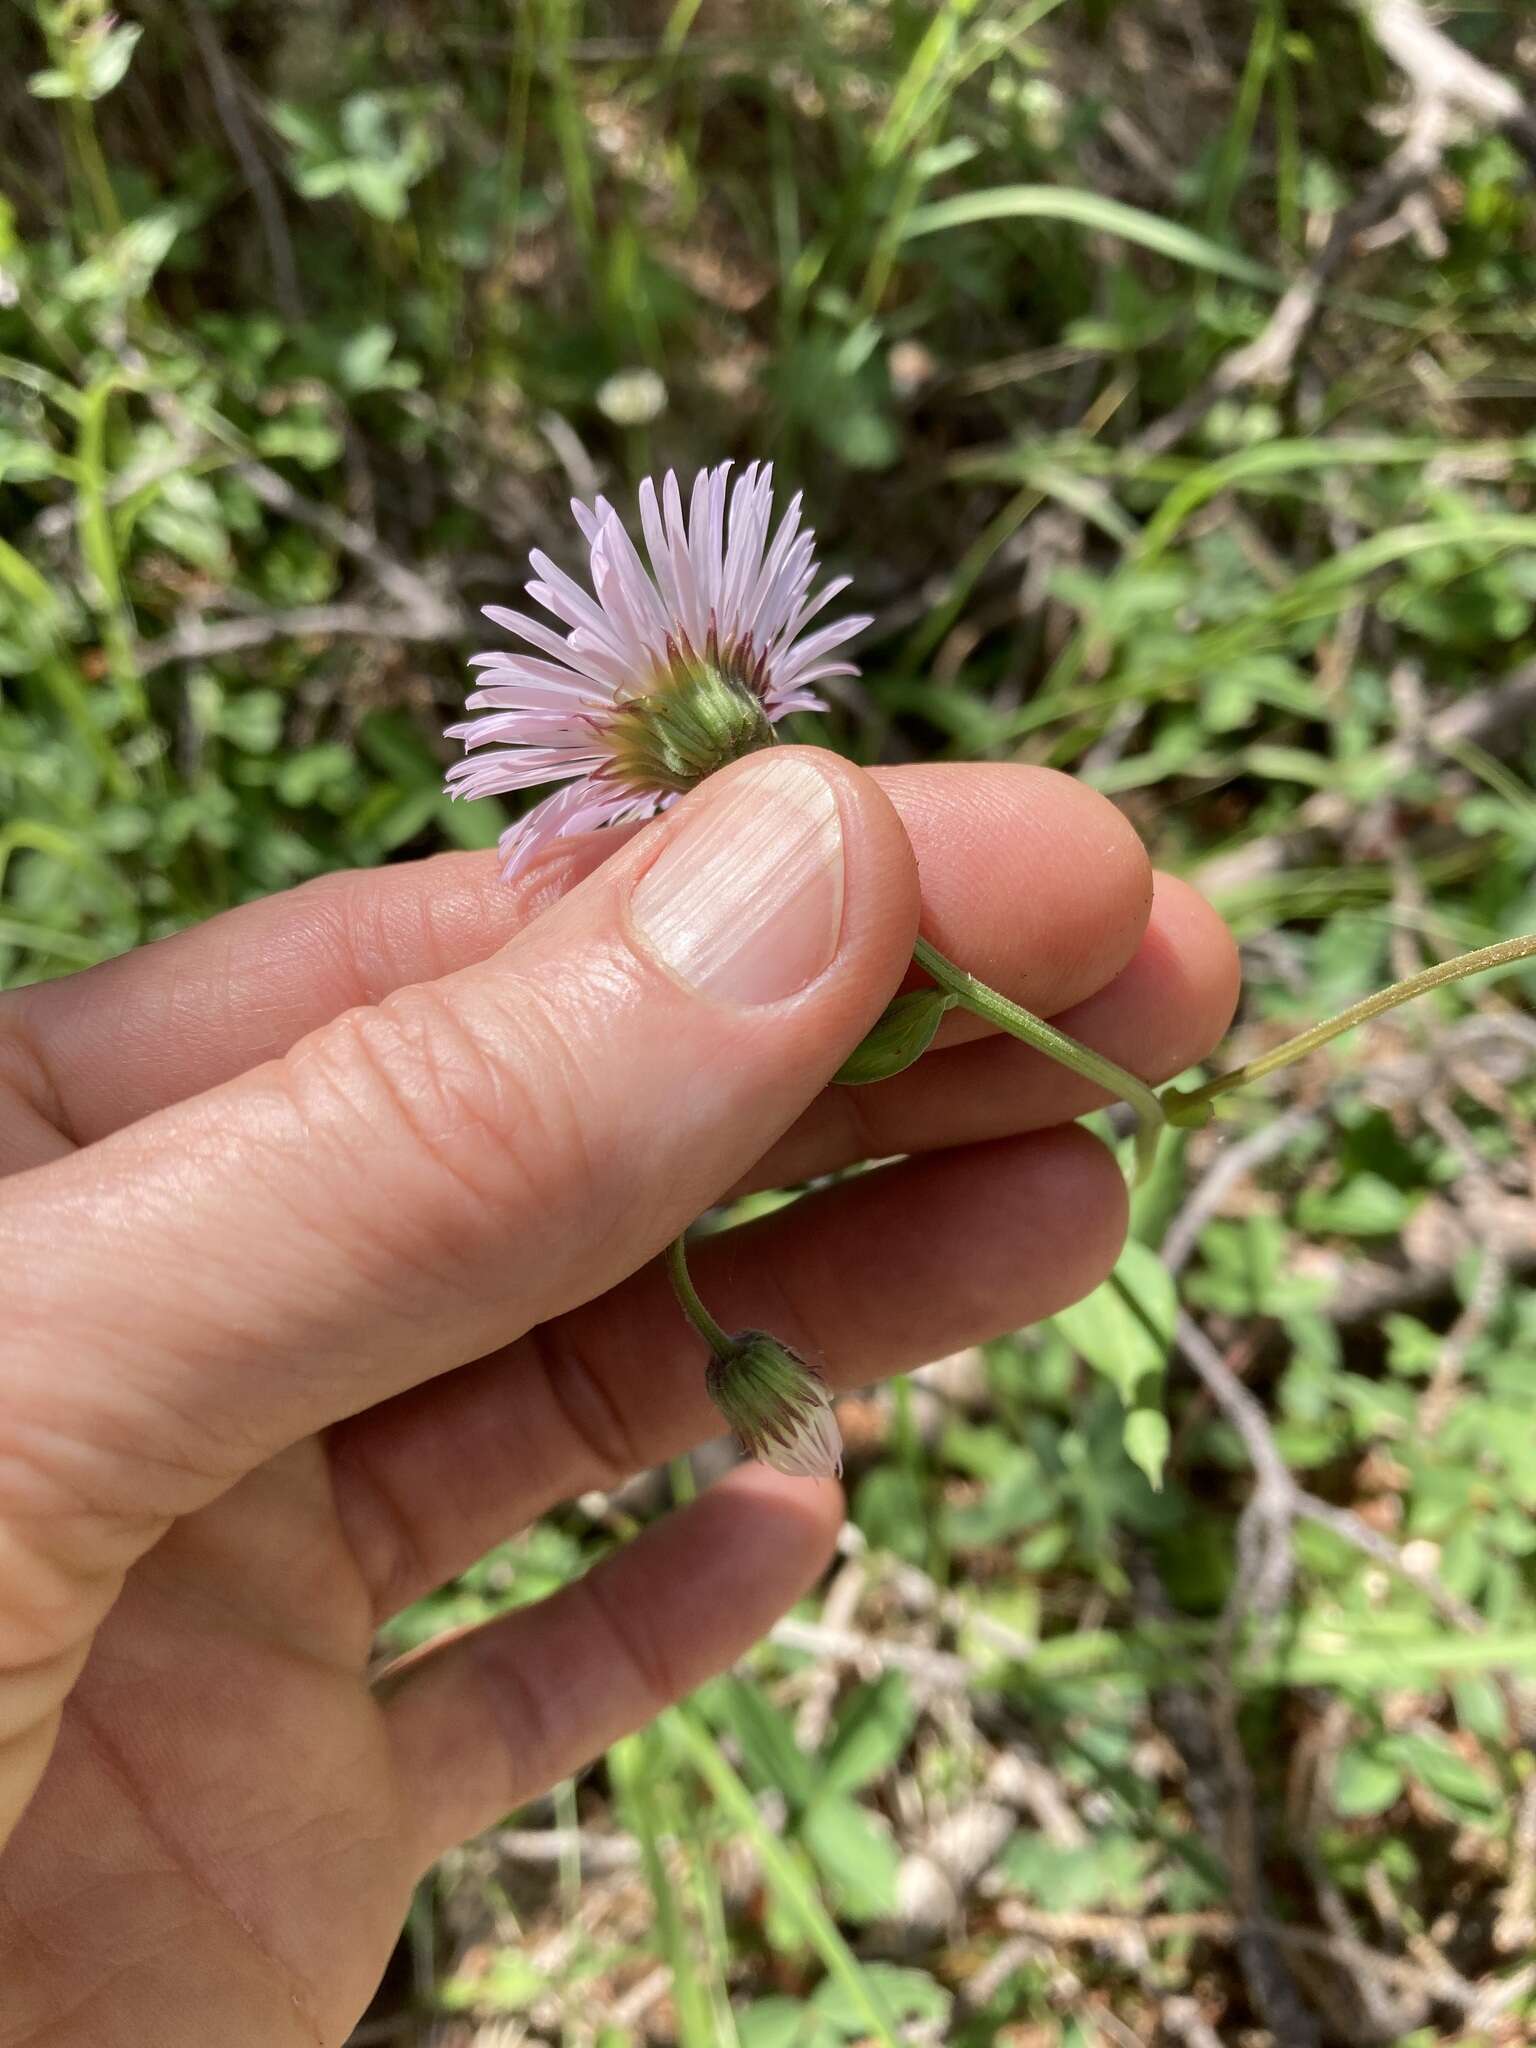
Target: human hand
[[330, 1233]]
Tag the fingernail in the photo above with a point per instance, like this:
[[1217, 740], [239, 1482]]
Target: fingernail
[[746, 903]]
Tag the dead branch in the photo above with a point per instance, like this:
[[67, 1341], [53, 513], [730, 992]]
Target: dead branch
[[1438, 68], [937, 1668], [202, 639], [408, 586], [1447, 1987], [557, 1846]]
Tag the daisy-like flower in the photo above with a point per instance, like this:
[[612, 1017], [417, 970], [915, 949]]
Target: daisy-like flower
[[779, 1408], [662, 675]]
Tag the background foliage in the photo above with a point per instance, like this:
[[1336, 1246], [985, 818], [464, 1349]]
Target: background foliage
[[311, 318]]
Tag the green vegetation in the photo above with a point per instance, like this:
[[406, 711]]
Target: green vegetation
[[310, 320]]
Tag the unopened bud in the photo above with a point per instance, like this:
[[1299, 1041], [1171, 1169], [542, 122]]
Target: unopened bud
[[777, 1405]]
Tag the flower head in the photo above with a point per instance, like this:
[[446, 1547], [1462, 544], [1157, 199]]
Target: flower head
[[663, 674], [779, 1408]]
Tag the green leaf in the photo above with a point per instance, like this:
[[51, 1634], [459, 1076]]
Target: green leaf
[[902, 1034], [890, 1507], [314, 772], [1365, 1782], [1018, 1498], [124, 267], [367, 362], [1365, 1205], [510, 1984], [909, 1994], [474, 827], [784, 2023], [1146, 1443], [1470, 1793], [1481, 1709], [767, 1741], [1110, 1871], [872, 1730], [1123, 1329], [792, 1894], [856, 1856]]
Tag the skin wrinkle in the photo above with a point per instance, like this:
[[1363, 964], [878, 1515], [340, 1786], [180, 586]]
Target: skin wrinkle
[[135, 1429], [116, 1766], [30, 1693], [526, 1727], [63, 2029], [361, 1101], [457, 1101], [44, 1622], [418, 1021], [375, 1517], [30, 1081], [177, 1572], [609, 985], [644, 1655], [593, 1418]]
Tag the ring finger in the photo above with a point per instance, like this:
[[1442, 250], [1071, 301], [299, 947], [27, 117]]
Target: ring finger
[[868, 1278]]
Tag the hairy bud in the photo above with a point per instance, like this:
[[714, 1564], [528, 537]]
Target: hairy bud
[[777, 1405]]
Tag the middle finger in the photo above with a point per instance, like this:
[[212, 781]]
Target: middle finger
[[870, 1278]]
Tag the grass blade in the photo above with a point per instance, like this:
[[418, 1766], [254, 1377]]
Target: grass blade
[[780, 1871], [1092, 210]]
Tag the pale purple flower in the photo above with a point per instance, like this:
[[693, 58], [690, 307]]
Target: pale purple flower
[[662, 674]]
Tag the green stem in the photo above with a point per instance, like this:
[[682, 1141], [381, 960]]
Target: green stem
[[635, 1766], [94, 166], [1056, 1045], [1189, 1108], [98, 544], [688, 1299]]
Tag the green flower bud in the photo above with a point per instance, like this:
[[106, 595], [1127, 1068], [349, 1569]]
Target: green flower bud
[[777, 1405], [903, 1033]]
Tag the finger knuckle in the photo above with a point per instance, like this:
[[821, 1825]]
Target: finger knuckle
[[478, 1118], [606, 1444], [642, 1654]]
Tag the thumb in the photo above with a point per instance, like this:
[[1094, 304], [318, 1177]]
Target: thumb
[[421, 1181]]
